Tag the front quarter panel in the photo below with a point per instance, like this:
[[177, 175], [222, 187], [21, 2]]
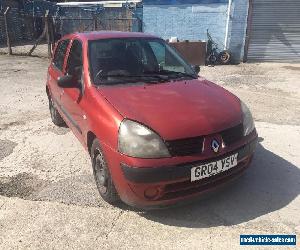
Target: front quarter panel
[[102, 118]]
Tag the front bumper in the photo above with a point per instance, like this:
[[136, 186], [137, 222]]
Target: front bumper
[[182, 171], [173, 182]]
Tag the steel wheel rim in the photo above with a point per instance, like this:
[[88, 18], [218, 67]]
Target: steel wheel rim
[[100, 171], [52, 110]]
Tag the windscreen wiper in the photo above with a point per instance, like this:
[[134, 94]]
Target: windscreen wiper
[[183, 74], [169, 72], [159, 78]]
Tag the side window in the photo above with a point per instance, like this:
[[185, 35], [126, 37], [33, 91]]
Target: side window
[[166, 59], [60, 54], [74, 64], [159, 51]]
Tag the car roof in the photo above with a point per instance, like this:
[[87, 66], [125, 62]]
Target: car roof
[[96, 35]]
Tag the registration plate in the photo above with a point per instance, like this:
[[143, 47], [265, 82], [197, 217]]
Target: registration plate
[[213, 168]]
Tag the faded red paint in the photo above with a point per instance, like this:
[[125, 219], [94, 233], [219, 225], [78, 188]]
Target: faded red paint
[[181, 109]]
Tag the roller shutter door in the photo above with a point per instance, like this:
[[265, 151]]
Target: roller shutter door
[[275, 31]]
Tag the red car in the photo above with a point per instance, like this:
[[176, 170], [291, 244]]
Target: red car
[[157, 133]]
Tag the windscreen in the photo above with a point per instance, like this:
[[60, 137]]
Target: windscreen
[[115, 61]]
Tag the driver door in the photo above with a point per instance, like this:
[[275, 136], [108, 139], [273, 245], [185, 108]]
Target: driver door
[[71, 98]]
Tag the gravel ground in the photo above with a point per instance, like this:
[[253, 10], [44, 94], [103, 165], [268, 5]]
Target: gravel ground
[[22, 49], [271, 90], [48, 198]]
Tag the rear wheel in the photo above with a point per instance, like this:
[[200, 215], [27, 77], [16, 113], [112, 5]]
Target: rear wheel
[[55, 116], [224, 57], [102, 175]]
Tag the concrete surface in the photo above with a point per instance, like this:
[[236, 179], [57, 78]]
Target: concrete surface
[[48, 199]]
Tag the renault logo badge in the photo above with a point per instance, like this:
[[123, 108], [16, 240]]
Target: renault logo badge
[[215, 145]]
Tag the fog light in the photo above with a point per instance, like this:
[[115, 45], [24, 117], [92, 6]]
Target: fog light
[[151, 193]]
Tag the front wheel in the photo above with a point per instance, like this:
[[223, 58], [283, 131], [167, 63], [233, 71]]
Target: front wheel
[[102, 175]]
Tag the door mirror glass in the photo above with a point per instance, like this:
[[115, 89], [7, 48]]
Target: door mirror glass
[[67, 81]]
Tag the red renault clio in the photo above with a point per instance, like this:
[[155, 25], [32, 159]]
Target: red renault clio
[[156, 133]]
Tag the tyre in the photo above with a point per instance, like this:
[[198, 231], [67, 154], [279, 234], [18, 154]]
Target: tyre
[[224, 57], [102, 175], [212, 59], [55, 116]]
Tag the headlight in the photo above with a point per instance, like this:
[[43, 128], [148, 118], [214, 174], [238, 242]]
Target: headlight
[[138, 141], [248, 122]]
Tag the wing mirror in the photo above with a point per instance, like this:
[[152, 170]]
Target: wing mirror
[[196, 69], [67, 81]]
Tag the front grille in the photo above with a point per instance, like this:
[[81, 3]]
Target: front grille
[[183, 147], [233, 134], [191, 146]]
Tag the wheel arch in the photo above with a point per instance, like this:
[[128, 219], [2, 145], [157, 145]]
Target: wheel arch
[[90, 137], [47, 91]]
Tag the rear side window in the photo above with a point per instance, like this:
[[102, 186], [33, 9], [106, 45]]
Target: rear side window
[[60, 54]]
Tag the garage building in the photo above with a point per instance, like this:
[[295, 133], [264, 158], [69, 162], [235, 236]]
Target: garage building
[[274, 31]]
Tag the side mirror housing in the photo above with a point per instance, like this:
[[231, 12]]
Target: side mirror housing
[[67, 81], [196, 69]]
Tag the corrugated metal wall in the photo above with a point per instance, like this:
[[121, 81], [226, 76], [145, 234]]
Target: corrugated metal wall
[[80, 19], [27, 24], [116, 19], [275, 31]]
